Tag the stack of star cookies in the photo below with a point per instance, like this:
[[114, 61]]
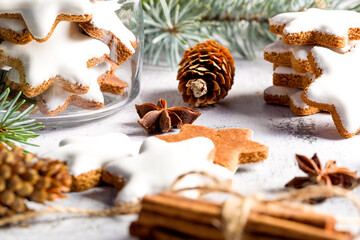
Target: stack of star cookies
[[62, 52], [313, 57]]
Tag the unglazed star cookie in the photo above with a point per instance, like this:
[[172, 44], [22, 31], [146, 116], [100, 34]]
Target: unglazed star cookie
[[86, 156], [233, 146], [42, 16], [62, 60], [106, 26], [295, 56], [332, 28], [158, 165], [288, 77], [335, 88], [289, 97]]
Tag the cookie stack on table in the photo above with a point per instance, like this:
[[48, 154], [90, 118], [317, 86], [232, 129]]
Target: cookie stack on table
[[63, 53], [314, 64]]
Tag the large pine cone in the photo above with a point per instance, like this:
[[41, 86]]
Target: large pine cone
[[206, 74], [23, 179]]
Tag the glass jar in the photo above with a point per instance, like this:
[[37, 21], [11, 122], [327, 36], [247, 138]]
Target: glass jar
[[112, 28]]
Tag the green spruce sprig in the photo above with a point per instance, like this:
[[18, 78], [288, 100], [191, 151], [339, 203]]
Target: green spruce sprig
[[171, 26], [15, 125]]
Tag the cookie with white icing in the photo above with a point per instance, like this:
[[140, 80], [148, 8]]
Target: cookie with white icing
[[55, 99], [158, 165], [42, 16], [106, 26], [289, 97], [336, 87], [233, 146], [295, 56], [114, 84], [62, 60], [86, 156], [332, 28], [14, 30], [287, 77]]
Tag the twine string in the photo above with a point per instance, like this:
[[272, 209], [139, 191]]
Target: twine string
[[234, 222], [125, 209]]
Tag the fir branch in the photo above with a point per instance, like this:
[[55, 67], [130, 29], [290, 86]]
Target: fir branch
[[171, 26], [14, 125]]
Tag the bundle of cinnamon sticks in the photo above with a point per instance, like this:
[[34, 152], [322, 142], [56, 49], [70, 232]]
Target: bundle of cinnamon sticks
[[172, 217]]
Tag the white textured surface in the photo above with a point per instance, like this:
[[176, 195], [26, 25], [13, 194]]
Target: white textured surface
[[275, 126]]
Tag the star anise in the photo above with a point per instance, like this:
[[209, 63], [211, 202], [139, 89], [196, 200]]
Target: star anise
[[158, 118], [330, 175]]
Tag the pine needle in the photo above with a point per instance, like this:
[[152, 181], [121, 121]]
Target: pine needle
[[171, 26], [15, 125]]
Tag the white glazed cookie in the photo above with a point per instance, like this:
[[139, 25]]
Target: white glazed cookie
[[289, 97], [336, 87], [62, 60], [14, 30], [158, 165], [287, 77], [55, 99], [42, 16], [333, 28], [106, 26], [296, 56], [86, 156]]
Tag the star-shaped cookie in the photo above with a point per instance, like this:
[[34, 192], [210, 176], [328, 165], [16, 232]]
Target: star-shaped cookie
[[14, 30], [42, 16], [296, 56], [336, 87], [86, 156], [289, 97], [107, 26], [115, 159], [287, 77], [233, 146], [333, 28], [62, 60], [158, 165], [55, 99]]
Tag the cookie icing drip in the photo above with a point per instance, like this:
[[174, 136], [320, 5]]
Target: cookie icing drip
[[14, 24]]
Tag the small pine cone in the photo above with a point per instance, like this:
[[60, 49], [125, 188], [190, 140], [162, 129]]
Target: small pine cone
[[206, 74], [23, 177]]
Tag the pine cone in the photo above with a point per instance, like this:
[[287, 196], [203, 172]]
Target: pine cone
[[206, 74], [22, 179]]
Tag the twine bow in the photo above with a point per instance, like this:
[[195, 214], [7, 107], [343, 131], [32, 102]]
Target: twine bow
[[234, 222]]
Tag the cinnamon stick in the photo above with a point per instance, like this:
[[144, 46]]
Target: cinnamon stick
[[147, 232], [206, 212], [196, 219]]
